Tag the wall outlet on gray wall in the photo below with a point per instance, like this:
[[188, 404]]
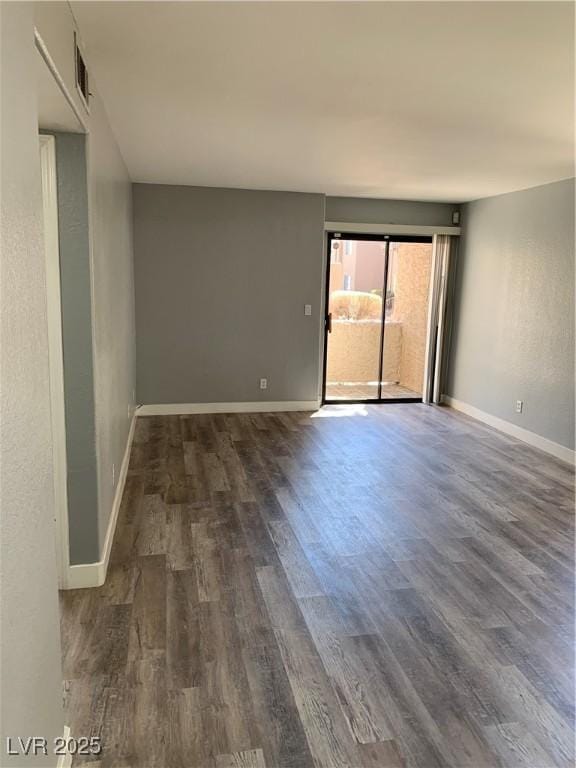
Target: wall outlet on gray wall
[[263, 383], [519, 406]]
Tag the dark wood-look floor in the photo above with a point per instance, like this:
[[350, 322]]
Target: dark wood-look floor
[[390, 588]]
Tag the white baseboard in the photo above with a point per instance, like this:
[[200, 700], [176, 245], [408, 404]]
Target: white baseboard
[[94, 574], [525, 435], [65, 759], [175, 409], [86, 575]]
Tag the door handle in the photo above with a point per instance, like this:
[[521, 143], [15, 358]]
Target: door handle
[[329, 322]]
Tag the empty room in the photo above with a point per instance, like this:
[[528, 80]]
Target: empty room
[[287, 384]]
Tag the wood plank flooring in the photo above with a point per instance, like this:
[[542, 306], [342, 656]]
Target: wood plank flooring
[[369, 587]]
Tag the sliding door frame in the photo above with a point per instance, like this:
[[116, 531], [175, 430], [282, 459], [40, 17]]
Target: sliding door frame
[[383, 320], [376, 237]]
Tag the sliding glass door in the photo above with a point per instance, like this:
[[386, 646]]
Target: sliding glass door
[[354, 326], [377, 303]]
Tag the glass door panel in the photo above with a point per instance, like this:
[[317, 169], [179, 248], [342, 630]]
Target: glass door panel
[[406, 317], [354, 339]]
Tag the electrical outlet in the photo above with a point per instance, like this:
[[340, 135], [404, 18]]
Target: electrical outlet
[[263, 383], [519, 406], [308, 309]]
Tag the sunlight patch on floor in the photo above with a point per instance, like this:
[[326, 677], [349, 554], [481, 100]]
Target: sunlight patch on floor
[[338, 411]]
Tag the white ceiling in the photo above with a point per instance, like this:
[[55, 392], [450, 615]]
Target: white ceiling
[[415, 100]]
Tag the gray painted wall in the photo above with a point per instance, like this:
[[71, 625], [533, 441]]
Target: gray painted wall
[[374, 211], [513, 333], [30, 660], [75, 284], [222, 277]]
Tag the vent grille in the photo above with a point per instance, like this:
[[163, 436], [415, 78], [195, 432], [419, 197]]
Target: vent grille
[[81, 74]]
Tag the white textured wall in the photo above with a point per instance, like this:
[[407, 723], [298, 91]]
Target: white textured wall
[[110, 203], [113, 305], [30, 641]]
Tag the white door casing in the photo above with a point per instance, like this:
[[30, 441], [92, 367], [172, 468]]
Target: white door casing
[[55, 353]]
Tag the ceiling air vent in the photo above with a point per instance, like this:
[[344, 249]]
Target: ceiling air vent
[[81, 74]]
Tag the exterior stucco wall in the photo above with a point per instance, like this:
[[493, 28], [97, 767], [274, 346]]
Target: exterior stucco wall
[[353, 351], [414, 261]]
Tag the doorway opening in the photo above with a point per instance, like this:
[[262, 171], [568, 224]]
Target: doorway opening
[[377, 299], [64, 200]]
